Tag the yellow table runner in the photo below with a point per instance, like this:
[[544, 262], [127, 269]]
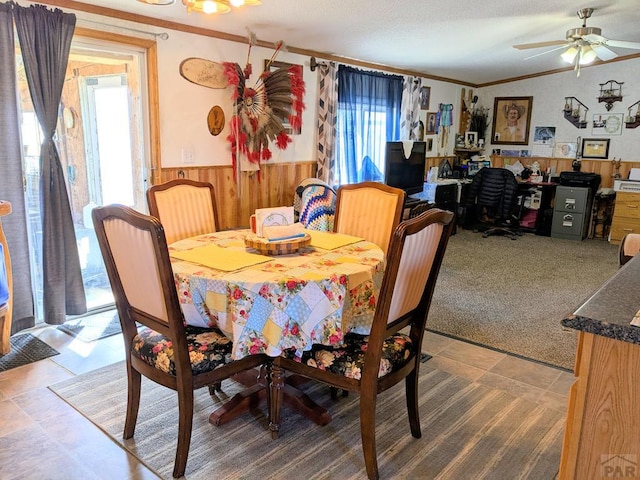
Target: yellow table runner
[[225, 259], [330, 240]]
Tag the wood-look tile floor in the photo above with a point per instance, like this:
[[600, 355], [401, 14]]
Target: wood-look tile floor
[[42, 437]]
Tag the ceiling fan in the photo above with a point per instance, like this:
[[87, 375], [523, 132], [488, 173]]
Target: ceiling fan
[[583, 44]]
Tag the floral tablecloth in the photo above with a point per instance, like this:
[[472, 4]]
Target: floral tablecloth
[[314, 296]]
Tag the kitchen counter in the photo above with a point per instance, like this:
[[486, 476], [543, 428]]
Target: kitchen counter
[[602, 432], [609, 311]]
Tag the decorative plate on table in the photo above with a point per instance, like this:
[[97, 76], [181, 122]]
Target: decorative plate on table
[[281, 247]]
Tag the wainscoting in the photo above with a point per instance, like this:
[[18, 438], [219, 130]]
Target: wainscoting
[[603, 167], [274, 186]]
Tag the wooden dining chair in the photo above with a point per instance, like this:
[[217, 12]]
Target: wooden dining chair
[[371, 364], [629, 247], [164, 349], [6, 285], [185, 207], [369, 210]]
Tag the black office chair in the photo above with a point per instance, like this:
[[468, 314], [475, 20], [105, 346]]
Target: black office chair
[[493, 198]]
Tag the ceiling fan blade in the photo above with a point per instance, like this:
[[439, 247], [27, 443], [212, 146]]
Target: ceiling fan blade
[[622, 44], [593, 38], [548, 51], [551, 43], [603, 52]]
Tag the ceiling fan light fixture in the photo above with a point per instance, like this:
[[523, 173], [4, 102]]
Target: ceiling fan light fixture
[[569, 54], [587, 55], [158, 2]]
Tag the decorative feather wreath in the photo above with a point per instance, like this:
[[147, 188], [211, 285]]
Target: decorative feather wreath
[[260, 111]]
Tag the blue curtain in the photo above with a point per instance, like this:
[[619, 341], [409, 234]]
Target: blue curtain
[[369, 106]]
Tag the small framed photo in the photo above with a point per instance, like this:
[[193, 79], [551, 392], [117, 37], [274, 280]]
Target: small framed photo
[[595, 148], [470, 139], [511, 120], [607, 124], [431, 123], [429, 144], [565, 150], [425, 96]]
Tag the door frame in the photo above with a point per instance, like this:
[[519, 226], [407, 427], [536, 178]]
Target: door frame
[[153, 109]]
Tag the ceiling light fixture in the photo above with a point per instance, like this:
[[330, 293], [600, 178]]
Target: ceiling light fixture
[[158, 2], [216, 6]]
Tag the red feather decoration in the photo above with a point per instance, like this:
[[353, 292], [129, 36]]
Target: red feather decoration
[[261, 111]]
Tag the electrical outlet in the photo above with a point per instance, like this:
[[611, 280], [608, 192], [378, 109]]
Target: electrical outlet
[[188, 157]]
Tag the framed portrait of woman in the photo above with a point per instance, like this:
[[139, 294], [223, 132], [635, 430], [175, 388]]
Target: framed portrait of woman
[[511, 120]]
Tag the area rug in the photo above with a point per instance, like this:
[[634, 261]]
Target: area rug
[[93, 327], [25, 349], [511, 295], [469, 430]]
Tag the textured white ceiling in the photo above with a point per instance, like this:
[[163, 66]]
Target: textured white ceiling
[[465, 40]]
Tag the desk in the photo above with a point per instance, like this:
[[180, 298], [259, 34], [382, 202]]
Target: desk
[[537, 212], [292, 301]]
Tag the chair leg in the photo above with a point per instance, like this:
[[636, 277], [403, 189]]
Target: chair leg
[[368, 433], [133, 401], [215, 386], [185, 425], [411, 392], [276, 390], [5, 330]]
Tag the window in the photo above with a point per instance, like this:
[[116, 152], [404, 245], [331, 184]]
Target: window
[[369, 106]]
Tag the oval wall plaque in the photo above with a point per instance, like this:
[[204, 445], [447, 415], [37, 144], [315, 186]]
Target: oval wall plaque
[[203, 72], [215, 120]]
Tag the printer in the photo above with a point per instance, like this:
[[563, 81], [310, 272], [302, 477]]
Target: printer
[[632, 184], [581, 179]]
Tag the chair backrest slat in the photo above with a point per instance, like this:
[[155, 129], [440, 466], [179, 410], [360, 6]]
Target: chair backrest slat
[[135, 253], [417, 258], [134, 259], [185, 208], [369, 210], [413, 263]]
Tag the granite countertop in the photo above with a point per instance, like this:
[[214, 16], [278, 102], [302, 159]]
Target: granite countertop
[[610, 310]]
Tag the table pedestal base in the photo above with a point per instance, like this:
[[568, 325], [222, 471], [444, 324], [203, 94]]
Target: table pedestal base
[[256, 392]]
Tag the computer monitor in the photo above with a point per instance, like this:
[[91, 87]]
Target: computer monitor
[[404, 166]]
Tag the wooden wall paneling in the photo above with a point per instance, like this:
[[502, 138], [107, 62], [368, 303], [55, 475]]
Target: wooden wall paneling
[[602, 167], [236, 203]]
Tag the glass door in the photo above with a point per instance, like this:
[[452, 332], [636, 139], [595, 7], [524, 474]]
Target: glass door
[[101, 137]]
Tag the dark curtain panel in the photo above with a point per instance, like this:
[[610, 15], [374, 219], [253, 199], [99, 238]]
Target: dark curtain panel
[[11, 186], [45, 39], [369, 106]]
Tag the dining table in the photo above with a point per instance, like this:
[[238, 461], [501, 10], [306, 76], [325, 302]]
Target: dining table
[[267, 303]]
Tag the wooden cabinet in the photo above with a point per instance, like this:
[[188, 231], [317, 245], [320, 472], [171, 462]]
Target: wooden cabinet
[[602, 433], [626, 216]]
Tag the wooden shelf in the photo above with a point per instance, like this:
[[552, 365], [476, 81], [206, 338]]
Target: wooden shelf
[[634, 124], [574, 110], [576, 122], [609, 101]]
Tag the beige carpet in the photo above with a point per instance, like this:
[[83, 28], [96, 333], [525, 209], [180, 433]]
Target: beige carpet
[[469, 431], [511, 295]]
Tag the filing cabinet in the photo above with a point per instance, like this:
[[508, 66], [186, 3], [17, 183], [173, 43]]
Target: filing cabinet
[[571, 213], [626, 216]]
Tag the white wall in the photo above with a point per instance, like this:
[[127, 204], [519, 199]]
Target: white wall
[[184, 106], [549, 94]]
